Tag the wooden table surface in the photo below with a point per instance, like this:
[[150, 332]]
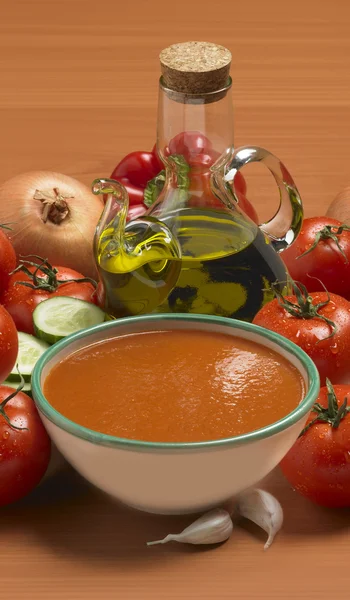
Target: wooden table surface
[[78, 91]]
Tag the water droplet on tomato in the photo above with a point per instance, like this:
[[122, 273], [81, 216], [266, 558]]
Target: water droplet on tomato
[[334, 349], [5, 435], [308, 346], [321, 436], [297, 333]]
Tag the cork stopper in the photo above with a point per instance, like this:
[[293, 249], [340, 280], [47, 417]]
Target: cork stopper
[[195, 68]]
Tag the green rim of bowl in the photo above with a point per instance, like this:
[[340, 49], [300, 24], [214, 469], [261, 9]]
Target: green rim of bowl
[[108, 440]]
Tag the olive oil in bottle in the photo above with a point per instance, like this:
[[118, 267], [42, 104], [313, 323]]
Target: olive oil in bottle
[[226, 268]]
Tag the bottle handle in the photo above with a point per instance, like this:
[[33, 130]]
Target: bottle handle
[[285, 225]]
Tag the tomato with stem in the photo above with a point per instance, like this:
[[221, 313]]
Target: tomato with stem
[[321, 252], [34, 282], [318, 322], [25, 447], [318, 465]]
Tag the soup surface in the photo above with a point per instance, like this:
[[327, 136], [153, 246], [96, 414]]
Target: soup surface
[[174, 386]]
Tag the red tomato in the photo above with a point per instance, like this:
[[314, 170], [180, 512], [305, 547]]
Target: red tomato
[[330, 354], [24, 452], [7, 261], [327, 261], [8, 344], [318, 465], [193, 146], [20, 300]]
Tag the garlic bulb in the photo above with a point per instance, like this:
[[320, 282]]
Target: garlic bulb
[[263, 509], [213, 527]]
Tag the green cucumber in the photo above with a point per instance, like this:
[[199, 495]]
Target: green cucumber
[[60, 316], [29, 351]]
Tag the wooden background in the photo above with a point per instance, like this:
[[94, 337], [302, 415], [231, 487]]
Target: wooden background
[[78, 91]]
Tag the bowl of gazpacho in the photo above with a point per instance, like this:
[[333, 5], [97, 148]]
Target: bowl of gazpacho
[[174, 413]]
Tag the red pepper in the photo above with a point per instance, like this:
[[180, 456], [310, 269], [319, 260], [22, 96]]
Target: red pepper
[[135, 170]]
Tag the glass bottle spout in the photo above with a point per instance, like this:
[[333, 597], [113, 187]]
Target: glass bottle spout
[[138, 262], [113, 219]]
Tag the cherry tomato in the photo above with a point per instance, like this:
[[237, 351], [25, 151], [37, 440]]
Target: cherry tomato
[[318, 464], [24, 452], [191, 145], [195, 147], [7, 261], [312, 333], [8, 344], [20, 300], [328, 260]]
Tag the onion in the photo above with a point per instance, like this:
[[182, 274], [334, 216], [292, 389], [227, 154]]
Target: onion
[[340, 207], [53, 216]]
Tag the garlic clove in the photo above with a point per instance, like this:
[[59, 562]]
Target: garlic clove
[[213, 527], [263, 509]]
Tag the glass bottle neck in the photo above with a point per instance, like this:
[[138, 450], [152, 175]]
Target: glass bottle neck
[[199, 128]]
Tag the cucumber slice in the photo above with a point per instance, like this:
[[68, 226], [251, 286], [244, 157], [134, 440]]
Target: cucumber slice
[[27, 388], [29, 351], [60, 316]]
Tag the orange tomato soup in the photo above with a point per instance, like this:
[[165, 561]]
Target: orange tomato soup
[[174, 386]]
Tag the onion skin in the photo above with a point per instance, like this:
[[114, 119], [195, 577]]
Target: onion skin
[[72, 212], [340, 207]]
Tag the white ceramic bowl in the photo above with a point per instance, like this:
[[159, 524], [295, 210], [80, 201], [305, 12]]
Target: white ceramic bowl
[[171, 478]]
